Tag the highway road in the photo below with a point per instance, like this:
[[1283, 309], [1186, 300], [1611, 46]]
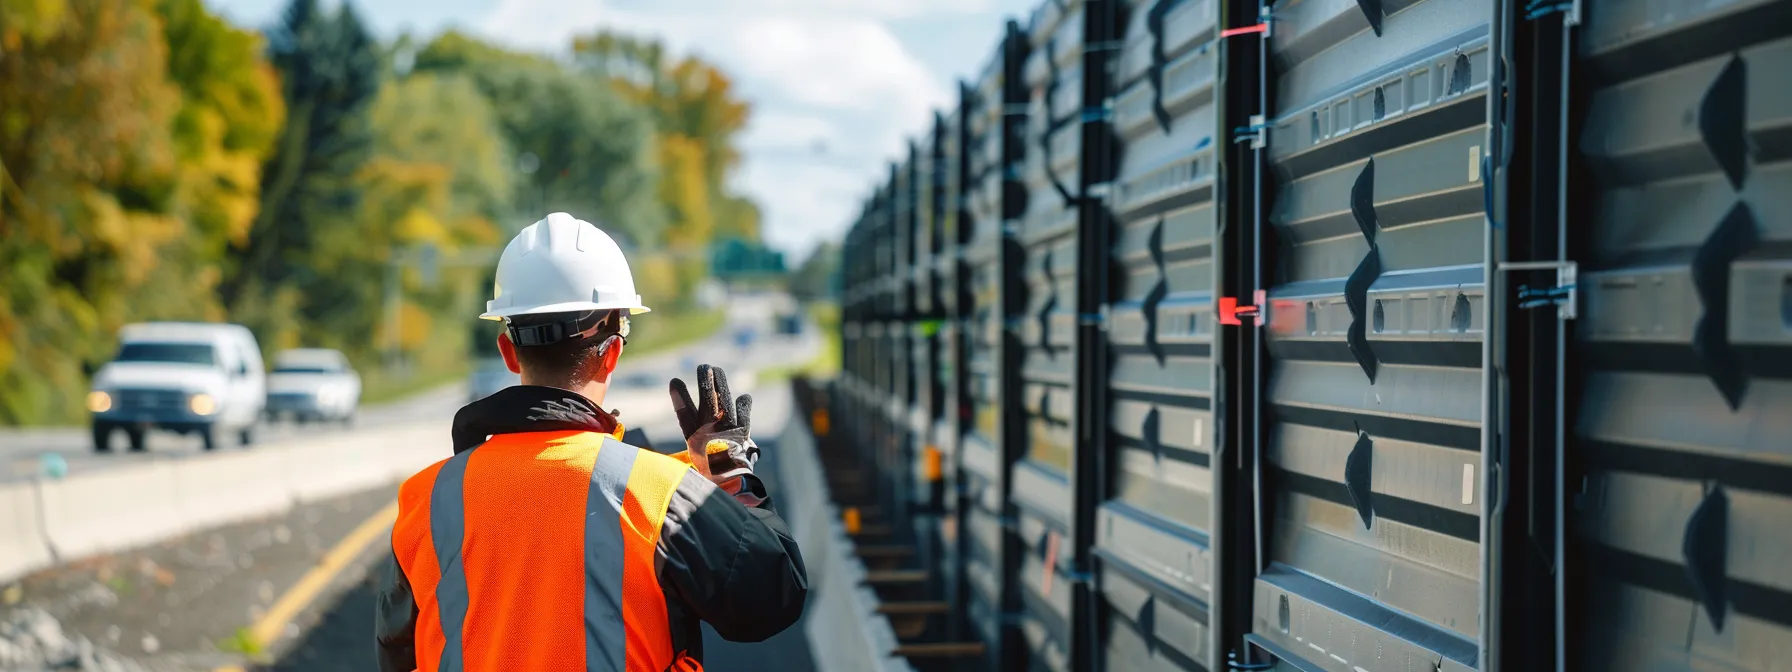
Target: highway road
[[639, 395]]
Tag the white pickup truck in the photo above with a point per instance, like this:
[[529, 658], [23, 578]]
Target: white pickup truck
[[181, 377]]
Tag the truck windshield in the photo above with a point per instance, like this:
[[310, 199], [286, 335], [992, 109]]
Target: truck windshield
[[202, 354], [303, 368]]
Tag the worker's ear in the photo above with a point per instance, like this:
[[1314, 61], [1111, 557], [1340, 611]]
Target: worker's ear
[[611, 354], [508, 350]]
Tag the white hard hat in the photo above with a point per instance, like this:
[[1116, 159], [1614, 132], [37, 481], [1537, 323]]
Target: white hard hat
[[562, 265]]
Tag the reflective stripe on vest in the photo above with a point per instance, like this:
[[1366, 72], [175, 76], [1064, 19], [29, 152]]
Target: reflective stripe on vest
[[447, 529], [624, 505]]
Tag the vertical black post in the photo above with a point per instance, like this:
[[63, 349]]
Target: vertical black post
[[1529, 344], [1014, 301], [963, 309], [1096, 168], [1242, 265]]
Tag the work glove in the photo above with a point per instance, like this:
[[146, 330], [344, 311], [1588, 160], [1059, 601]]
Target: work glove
[[716, 438]]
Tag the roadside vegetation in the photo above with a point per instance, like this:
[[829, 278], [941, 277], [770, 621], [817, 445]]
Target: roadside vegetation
[[825, 319], [326, 189]]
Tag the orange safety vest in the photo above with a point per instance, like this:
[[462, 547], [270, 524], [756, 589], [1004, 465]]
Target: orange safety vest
[[535, 551]]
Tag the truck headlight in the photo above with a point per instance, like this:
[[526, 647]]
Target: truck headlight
[[202, 404], [99, 402]]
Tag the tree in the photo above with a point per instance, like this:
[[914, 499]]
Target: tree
[[818, 278], [443, 120], [229, 118], [331, 72], [698, 116], [594, 150], [125, 165]]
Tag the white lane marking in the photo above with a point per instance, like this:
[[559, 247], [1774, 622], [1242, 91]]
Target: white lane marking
[[1339, 658], [1474, 163], [1315, 647]]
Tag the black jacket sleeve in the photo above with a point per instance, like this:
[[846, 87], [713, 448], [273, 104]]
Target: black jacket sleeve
[[735, 567], [395, 621]]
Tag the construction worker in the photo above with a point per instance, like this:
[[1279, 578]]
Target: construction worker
[[546, 542]]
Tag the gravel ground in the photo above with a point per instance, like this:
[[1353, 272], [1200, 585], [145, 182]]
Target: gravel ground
[[181, 605]]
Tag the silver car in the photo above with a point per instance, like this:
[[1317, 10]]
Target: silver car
[[313, 385]]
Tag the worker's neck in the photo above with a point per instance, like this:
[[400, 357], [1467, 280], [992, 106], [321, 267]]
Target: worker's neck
[[593, 390]]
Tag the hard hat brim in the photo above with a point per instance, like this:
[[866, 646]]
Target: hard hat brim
[[568, 307]]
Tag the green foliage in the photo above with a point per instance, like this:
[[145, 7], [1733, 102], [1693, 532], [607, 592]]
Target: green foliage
[[241, 642], [443, 120], [123, 168], [825, 319], [698, 115], [157, 162], [593, 149], [311, 188], [658, 332], [818, 278]]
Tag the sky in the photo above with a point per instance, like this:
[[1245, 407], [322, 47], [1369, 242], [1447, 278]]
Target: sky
[[837, 86]]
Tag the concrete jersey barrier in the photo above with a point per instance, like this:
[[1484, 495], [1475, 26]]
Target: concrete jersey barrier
[[23, 547], [111, 510], [45, 522], [844, 630]]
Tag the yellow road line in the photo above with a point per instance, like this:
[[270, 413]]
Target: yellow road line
[[268, 629]]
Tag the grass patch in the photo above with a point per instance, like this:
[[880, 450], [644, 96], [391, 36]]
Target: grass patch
[[826, 363], [656, 331], [241, 642]]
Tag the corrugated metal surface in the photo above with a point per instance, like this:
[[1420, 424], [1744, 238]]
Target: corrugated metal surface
[[1685, 415], [947, 355], [1047, 231], [1155, 570], [983, 463], [1372, 522], [1306, 492]]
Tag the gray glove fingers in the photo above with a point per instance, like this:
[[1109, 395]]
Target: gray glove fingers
[[683, 407], [706, 398], [723, 410], [743, 409]]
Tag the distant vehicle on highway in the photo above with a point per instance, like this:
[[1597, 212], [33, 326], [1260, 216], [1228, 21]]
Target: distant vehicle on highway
[[639, 379], [313, 385], [790, 324], [490, 375], [744, 337], [181, 377]]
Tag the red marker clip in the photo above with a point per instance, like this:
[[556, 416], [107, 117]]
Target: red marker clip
[[1230, 32], [1230, 311]]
